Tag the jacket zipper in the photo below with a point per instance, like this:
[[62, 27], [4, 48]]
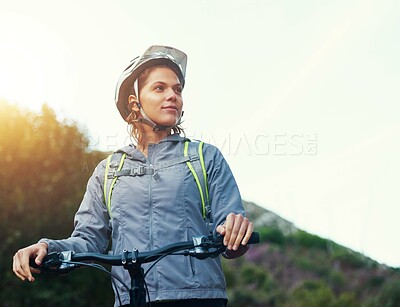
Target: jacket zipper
[[150, 213], [151, 225], [151, 233]]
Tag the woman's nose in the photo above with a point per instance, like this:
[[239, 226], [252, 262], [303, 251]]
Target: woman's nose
[[171, 95]]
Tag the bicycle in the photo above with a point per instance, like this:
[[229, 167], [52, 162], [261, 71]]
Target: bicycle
[[201, 247]]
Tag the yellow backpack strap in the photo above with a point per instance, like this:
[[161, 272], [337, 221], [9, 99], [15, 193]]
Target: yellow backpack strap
[[113, 165], [206, 210], [203, 167]]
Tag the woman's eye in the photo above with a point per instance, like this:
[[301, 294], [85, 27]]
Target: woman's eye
[[159, 88], [178, 90]]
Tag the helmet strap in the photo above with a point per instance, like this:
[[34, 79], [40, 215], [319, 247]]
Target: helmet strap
[[145, 119]]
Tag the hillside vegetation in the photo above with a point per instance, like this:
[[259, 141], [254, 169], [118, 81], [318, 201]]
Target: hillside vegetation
[[294, 268], [45, 166]]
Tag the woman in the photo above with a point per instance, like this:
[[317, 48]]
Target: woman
[[161, 203]]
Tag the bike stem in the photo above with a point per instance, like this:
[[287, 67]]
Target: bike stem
[[137, 293]]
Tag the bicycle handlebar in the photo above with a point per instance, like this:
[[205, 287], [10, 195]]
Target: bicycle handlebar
[[200, 247]]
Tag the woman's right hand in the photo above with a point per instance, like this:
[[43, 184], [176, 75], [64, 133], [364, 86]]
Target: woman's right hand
[[21, 259]]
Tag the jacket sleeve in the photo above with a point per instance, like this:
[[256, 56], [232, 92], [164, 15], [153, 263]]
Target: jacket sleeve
[[91, 224], [224, 193]]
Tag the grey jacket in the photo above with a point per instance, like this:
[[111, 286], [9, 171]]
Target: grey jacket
[[151, 211]]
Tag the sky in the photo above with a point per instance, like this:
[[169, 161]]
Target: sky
[[301, 97]]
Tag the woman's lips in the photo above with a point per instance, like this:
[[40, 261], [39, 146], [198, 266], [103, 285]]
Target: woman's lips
[[170, 108]]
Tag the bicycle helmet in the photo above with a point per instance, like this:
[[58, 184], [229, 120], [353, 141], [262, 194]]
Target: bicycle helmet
[[154, 55]]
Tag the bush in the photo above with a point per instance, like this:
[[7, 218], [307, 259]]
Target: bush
[[305, 239], [389, 296], [347, 299], [337, 280], [272, 234], [350, 260], [312, 294]]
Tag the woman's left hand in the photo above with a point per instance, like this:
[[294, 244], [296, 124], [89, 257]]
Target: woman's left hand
[[236, 230]]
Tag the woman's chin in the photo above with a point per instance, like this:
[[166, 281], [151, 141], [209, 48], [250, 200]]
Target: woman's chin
[[169, 123]]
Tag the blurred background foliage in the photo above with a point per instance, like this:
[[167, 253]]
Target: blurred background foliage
[[45, 168], [46, 163]]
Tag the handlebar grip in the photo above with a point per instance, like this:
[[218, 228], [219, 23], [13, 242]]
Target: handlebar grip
[[51, 260], [33, 264], [255, 238]]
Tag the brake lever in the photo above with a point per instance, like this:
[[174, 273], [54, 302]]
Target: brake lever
[[56, 262], [206, 247], [66, 266], [51, 260]]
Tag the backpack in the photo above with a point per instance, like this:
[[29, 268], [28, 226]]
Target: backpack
[[192, 156]]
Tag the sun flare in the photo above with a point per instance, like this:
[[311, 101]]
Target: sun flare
[[33, 62], [21, 77]]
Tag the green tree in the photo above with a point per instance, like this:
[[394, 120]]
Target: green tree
[[46, 164]]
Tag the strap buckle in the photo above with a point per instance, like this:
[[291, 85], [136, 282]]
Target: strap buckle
[[193, 158], [111, 175], [138, 171]]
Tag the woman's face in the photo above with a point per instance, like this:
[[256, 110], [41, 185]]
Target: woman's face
[[161, 96]]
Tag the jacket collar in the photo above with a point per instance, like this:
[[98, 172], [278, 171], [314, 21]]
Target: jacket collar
[[174, 138], [131, 150]]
